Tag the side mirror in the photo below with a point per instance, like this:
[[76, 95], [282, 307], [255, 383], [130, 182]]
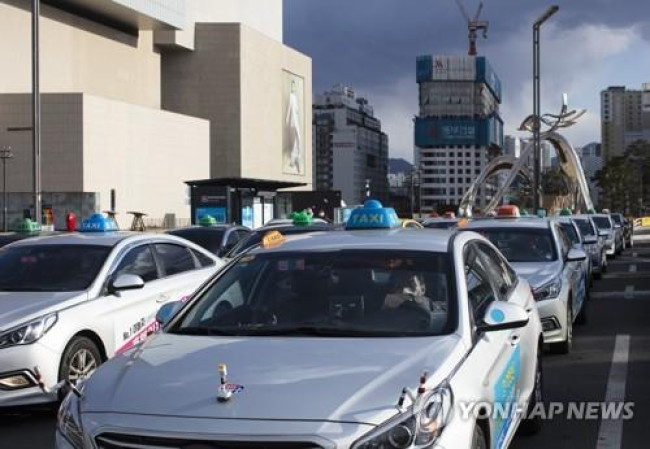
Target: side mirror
[[125, 282], [503, 316], [576, 255], [590, 240], [167, 312]]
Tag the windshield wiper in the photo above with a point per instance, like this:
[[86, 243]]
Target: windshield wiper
[[201, 331], [317, 331]]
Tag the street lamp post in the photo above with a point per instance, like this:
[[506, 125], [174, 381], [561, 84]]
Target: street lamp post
[[36, 110], [5, 155], [537, 103]]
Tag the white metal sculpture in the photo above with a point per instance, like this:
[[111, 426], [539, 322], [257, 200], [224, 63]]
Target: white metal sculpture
[[569, 162]]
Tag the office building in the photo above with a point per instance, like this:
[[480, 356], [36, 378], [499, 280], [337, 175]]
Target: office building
[[625, 118], [140, 96], [350, 149], [458, 128]]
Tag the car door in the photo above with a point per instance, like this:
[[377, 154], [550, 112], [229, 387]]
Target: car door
[[505, 282], [183, 271], [132, 312], [572, 271], [495, 361]]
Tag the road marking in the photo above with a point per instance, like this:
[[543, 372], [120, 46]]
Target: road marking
[[610, 432], [636, 294], [629, 292], [632, 268]]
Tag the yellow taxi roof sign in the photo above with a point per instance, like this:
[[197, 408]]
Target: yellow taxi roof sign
[[272, 239]]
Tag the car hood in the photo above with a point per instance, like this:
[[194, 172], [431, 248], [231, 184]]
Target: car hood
[[283, 378], [19, 307], [538, 273]]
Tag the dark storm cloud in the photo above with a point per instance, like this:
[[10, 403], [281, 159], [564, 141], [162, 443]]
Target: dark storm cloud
[[372, 42]]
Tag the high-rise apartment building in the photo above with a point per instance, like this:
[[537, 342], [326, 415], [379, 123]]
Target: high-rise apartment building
[[458, 128], [350, 149], [625, 118]]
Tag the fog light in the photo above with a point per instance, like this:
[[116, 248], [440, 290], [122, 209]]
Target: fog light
[[550, 324], [15, 381]]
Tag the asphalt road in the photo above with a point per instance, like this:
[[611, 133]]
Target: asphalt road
[[619, 307]]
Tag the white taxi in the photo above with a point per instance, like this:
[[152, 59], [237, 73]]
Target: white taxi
[[69, 302], [366, 338]]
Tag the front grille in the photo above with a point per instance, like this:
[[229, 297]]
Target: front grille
[[121, 441]]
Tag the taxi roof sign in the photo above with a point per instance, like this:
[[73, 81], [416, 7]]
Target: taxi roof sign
[[373, 215], [28, 225], [508, 210], [302, 218], [207, 220], [272, 239], [98, 223], [565, 212]]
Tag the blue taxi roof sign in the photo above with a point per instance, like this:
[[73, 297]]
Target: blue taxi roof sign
[[98, 223], [373, 215]]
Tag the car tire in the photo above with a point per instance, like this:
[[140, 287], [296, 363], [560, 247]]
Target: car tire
[[564, 347], [478, 440], [80, 359], [534, 425]]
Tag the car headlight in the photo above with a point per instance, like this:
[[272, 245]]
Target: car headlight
[[549, 290], [29, 332], [418, 427], [69, 419]]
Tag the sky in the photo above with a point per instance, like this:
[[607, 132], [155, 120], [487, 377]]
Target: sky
[[371, 46]]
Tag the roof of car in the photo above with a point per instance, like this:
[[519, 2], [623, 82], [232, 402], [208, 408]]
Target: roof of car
[[81, 238], [523, 222], [211, 228], [409, 239]]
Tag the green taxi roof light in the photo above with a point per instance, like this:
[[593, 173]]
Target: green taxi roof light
[[302, 218], [207, 220]]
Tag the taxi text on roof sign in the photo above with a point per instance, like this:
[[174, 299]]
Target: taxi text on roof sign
[[272, 239], [98, 223], [373, 216]]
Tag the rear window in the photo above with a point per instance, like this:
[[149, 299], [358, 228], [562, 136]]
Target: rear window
[[585, 227], [617, 219], [522, 245], [210, 240], [603, 222]]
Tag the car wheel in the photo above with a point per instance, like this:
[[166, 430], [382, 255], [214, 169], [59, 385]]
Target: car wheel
[[534, 425], [478, 440], [80, 359], [564, 347]]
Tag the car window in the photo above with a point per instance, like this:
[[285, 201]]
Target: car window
[[140, 262], [603, 222], [586, 229], [479, 289], [50, 268], [175, 258], [339, 292], [204, 260], [233, 238], [501, 275], [565, 241], [208, 238], [571, 233]]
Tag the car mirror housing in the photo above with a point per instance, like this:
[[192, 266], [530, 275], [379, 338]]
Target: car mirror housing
[[167, 312], [125, 282], [576, 255], [503, 316]]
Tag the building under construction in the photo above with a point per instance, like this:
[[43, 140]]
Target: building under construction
[[458, 128]]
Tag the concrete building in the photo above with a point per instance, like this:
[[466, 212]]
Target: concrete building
[[591, 157], [140, 96], [458, 128], [625, 118], [350, 149]]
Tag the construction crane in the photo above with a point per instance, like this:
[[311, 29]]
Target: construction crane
[[474, 25]]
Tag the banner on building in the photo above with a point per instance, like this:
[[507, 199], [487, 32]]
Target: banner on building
[[293, 108]]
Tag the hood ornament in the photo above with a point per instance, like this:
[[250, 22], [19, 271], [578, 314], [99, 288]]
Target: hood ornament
[[226, 389]]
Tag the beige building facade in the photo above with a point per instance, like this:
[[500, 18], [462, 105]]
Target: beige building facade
[[140, 96]]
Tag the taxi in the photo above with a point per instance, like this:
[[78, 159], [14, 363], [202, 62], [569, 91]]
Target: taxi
[[371, 337], [68, 302], [540, 251]]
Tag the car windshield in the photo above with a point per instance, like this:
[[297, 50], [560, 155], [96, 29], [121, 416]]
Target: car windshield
[[571, 232], [617, 219], [343, 293], [585, 227], [50, 268], [255, 237], [603, 222], [522, 245], [209, 239]]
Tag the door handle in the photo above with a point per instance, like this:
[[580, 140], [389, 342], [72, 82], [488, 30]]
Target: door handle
[[162, 298], [514, 340]]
